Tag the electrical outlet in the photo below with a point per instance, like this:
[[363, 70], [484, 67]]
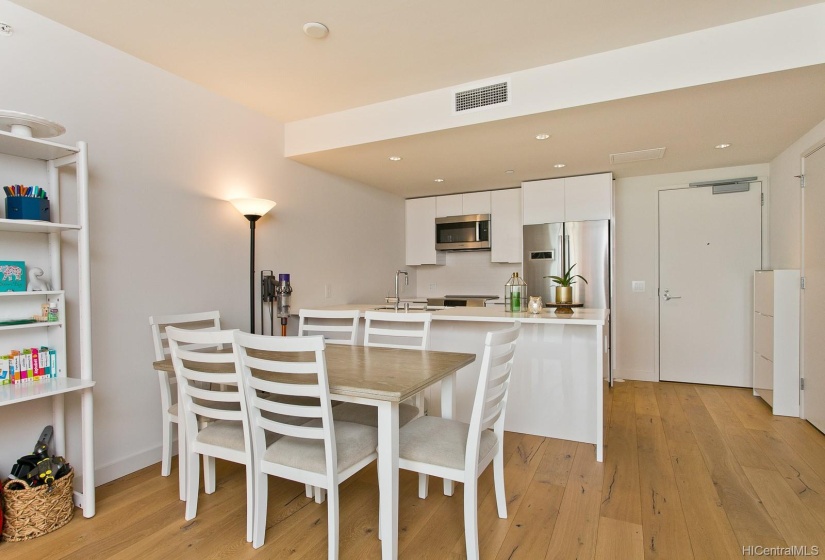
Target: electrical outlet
[[327, 291], [638, 286]]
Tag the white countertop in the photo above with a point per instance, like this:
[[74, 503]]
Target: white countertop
[[580, 316]]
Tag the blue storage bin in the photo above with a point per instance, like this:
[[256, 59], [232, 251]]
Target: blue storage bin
[[27, 208]]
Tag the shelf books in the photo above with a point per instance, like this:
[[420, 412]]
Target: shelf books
[[28, 365]]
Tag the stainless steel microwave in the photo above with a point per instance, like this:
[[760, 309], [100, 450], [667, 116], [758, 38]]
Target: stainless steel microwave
[[463, 233]]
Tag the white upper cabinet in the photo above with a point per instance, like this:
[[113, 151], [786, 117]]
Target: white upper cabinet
[[461, 204], [476, 203], [505, 216], [588, 197], [569, 199], [449, 205], [543, 201], [420, 232]]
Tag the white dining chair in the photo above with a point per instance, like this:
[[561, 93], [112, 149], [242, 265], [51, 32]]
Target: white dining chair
[[460, 452], [205, 321], [321, 453], [336, 326], [391, 330], [205, 395]]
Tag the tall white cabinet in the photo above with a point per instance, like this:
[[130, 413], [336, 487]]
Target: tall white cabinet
[[776, 339], [40, 244]]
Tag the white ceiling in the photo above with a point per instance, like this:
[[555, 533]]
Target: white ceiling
[[256, 54]]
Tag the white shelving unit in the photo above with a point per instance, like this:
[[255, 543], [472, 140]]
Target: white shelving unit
[[53, 157], [776, 339]]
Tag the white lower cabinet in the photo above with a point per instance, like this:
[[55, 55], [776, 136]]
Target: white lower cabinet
[[776, 339]]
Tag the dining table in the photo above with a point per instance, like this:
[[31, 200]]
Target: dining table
[[383, 378]]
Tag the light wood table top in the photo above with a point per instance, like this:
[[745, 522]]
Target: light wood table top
[[387, 374]]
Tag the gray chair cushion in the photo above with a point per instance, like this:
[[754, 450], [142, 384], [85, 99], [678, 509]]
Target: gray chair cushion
[[225, 433], [352, 441], [438, 441], [368, 415]]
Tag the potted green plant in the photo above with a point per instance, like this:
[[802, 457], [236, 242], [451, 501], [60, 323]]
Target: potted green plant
[[564, 290]]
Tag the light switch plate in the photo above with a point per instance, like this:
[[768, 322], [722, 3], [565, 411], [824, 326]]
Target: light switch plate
[[638, 286]]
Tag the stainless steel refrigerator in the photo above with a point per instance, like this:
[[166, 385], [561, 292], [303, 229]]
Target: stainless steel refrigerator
[[549, 249]]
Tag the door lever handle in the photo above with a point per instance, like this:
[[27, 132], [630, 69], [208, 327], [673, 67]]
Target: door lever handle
[[667, 297]]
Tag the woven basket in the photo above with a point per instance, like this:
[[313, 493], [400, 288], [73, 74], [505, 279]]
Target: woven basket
[[33, 512]]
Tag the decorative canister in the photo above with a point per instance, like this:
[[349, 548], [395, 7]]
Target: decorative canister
[[535, 305]]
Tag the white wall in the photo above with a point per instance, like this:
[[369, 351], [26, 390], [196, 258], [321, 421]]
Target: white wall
[[164, 156], [786, 199], [636, 326]]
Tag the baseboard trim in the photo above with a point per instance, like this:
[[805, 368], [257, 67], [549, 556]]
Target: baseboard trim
[[128, 465]]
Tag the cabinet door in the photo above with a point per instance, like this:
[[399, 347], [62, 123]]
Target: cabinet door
[[505, 210], [420, 232], [476, 203], [588, 197], [543, 201], [449, 205]]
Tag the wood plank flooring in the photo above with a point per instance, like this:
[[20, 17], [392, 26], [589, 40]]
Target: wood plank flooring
[[690, 472]]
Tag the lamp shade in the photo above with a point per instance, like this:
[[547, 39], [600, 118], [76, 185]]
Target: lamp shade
[[252, 206]]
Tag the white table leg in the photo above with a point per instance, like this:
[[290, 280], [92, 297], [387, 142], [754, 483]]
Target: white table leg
[[448, 411], [388, 477], [599, 393]]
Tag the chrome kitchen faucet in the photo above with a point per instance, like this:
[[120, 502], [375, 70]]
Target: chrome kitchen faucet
[[406, 283]]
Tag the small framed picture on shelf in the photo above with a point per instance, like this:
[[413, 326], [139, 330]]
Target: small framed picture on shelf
[[12, 276]]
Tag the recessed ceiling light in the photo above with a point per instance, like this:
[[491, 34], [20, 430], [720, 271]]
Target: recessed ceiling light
[[560, 165], [722, 146], [509, 172], [316, 30], [438, 180], [395, 158], [542, 136]]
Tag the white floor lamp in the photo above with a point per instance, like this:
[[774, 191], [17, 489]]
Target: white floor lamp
[[252, 209]]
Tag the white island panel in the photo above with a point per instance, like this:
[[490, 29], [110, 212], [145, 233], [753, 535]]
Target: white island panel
[[557, 385], [554, 387]]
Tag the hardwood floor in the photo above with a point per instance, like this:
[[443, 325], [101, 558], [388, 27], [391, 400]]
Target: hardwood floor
[[690, 471]]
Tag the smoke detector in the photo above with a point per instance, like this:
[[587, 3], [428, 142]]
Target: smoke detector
[[316, 30]]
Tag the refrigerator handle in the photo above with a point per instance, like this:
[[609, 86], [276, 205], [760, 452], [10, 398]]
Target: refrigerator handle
[[566, 263], [563, 250]]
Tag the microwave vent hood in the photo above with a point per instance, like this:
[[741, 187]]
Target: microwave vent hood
[[463, 233]]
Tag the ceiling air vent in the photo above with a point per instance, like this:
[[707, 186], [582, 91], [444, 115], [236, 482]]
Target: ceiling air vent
[[639, 155], [485, 96]]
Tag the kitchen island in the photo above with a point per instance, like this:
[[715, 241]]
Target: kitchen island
[[556, 389]]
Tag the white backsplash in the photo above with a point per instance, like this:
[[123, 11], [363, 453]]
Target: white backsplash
[[466, 273]]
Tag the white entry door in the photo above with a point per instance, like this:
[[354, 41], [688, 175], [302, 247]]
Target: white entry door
[[813, 296], [709, 246]]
